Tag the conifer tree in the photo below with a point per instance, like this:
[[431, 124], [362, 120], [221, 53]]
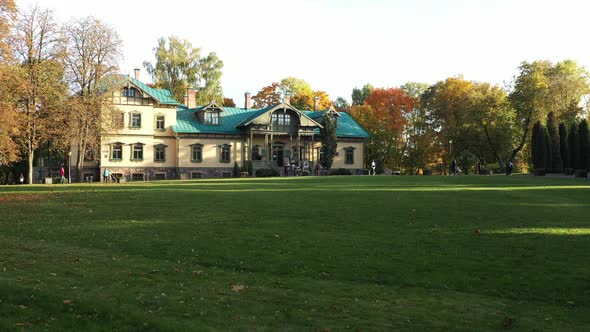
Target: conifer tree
[[584, 137], [574, 146], [564, 146], [555, 165], [328, 134]]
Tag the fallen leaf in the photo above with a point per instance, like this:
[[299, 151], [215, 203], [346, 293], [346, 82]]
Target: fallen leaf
[[237, 288]]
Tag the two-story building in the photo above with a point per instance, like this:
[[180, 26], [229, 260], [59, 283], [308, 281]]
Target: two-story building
[[155, 137]]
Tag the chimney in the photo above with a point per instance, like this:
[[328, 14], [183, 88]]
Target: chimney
[[316, 99], [190, 99], [136, 71], [248, 102], [287, 99]]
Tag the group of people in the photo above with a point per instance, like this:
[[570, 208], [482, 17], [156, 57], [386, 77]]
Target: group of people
[[292, 168]]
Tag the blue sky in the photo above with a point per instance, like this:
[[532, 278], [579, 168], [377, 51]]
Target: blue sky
[[338, 45]]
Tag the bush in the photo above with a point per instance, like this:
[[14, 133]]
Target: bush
[[340, 171], [539, 172], [581, 173], [250, 168], [236, 171], [569, 171], [266, 172], [485, 171]]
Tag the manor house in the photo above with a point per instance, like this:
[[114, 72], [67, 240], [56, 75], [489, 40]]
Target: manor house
[[154, 137]]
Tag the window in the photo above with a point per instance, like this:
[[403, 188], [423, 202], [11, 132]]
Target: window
[[137, 176], [225, 153], [135, 120], [196, 175], [119, 120], [349, 155], [256, 153], [137, 152], [116, 152], [281, 120], [196, 153], [160, 122], [322, 153], [212, 118], [160, 152], [160, 176], [128, 92]]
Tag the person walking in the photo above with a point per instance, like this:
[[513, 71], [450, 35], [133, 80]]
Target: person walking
[[373, 166], [21, 178], [62, 173]]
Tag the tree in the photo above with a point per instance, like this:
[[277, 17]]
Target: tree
[[564, 146], [267, 96], [93, 53], [301, 94], [556, 162], [360, 95], [341, 105], [177, 66], [528, 98], [568, 84], [210, 75], [328, 138], [38, 80], [228, 102], [9, 129], [7, 15], [574, 143], [322, 99], [584, 138], [540, 150]]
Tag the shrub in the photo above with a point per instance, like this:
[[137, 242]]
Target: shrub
[[266, 172], [539, 172], [236, 172], [340, 171], [581, 173], [250, 168], [569, 171], [485, 171]]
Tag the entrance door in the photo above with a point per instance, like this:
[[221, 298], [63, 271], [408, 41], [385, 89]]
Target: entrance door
[[278, 155]]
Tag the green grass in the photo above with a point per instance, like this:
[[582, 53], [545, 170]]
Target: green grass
[[309, 253]]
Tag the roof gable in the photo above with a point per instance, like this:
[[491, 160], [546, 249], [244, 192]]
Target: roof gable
[[162, 96], [262, 116]]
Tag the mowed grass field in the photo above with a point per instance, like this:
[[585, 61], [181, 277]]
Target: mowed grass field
[[308, 253]]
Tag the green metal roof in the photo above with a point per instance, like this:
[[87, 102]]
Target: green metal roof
[[347, 126], [187, 122], [233, 117], [161, 95]]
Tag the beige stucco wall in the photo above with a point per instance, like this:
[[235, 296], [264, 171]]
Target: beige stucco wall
[[147, 134], [211, 152], [339, 160]]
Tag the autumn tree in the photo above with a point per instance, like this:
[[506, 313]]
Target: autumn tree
[[419, 134], [267, 96], [384, 117], [567, 85], [228, 102], [7, 15], [92, 57], [38, 79]]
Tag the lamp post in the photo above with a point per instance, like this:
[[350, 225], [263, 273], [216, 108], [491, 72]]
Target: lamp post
[[69, 166]]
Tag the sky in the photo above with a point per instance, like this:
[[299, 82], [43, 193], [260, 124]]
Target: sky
[[337, 45]]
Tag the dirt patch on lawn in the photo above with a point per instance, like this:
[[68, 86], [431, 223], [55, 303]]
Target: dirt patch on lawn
[[19, 198]]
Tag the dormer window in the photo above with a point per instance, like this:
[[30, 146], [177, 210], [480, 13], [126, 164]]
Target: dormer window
[[212, 118], [128, 92]]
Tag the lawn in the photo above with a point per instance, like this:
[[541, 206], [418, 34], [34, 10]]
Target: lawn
[[307, 253]]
